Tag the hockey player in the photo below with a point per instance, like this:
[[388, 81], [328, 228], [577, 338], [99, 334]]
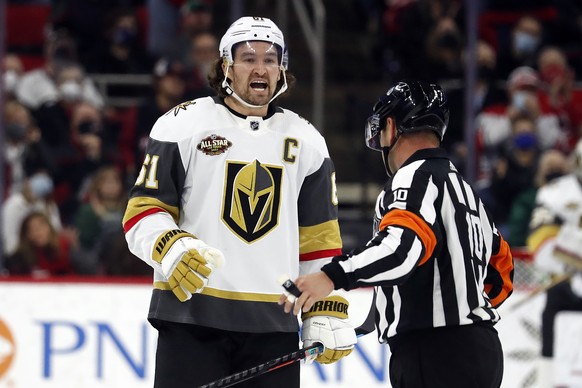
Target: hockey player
[[439, 265], [235, 191], [555, 241]]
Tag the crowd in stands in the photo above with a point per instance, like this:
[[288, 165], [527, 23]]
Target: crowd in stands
[[527, 97], [70, 156]]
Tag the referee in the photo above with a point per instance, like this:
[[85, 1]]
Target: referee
[[439, 265]]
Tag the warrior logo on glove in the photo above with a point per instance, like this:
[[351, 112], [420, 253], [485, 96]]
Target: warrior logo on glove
[[327, 323]]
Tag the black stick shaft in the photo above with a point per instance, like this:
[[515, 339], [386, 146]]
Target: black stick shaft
[[268, 366]]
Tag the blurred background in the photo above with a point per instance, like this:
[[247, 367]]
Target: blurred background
[[83, 81]]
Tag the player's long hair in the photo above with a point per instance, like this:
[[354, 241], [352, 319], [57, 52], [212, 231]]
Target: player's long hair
[[216, 75]]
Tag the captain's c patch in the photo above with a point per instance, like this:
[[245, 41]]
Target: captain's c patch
[[214, 145], [252, 198]]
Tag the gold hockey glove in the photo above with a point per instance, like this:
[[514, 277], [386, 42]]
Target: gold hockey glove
[[186, 262], [327, 323]]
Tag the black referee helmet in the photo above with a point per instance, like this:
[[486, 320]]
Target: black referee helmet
[[414, 106]]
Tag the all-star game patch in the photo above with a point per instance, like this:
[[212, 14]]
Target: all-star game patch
[[214, 145], [181, 106]]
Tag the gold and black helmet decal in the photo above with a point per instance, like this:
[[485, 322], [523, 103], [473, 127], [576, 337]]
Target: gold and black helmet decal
[[252, 198]]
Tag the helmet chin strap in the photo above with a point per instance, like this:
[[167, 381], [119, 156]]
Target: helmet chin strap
[[231, 92], [386, 151]]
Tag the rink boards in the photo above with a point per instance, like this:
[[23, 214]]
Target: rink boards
[[94, 334]]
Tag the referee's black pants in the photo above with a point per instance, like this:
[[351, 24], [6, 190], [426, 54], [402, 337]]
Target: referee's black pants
[[468, 356], [189, 356]]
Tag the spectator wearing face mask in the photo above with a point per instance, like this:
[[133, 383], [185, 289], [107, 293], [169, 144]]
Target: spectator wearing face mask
[[526, 37], [494, 122], [93, 146], [560, 93], [121, 51], [54, 117], [444, 46], [13, 70], [515, 167], [23, 147], [43, 87], [36, 195]]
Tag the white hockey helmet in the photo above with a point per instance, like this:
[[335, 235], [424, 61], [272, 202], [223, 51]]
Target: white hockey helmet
[[250, 28]]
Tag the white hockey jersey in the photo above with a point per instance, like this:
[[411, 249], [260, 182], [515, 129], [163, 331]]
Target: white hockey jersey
[[259, 189], [556, 225]]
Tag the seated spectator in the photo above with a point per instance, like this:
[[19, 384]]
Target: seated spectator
[[515, 168], [444, 47], [195, 17], [494, 122], [486, 93], [12, 71], [405, 26], [560, 95], [89, 136], [41, 251], [45, 86], [552, 165], [526, 37], [24, 148], [98, 219], [169, 91], [121, 51], [203, 54], [36, 196]]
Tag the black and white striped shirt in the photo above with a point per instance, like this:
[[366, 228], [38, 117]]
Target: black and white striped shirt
[[437, 258]]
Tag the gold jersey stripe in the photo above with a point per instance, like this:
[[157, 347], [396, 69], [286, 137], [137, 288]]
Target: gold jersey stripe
[[231, 295], [138, 205], [536, 239], [319, 237]]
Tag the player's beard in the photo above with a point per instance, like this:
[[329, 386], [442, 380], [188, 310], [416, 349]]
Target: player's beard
[[254, 97]]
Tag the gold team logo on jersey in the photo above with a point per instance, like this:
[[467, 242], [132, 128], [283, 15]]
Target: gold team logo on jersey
[[252, 198], [180, 107], [214, 145]]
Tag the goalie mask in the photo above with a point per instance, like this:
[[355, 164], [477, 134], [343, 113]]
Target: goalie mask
[[248, 29]]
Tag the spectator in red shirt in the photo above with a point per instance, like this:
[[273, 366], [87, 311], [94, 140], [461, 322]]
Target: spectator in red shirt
[[42, 251], [560, 96]]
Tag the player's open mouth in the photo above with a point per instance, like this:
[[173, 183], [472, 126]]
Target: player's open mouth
[[259, 85]]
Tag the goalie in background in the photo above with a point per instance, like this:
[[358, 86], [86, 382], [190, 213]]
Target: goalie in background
[[555, 241], [439, 265]]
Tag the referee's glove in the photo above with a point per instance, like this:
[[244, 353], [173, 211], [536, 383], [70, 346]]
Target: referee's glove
[[186, 262], [327, 323]]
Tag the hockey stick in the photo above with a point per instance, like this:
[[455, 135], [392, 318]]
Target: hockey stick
[[268, 366], [543, 288], [298, 355]]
